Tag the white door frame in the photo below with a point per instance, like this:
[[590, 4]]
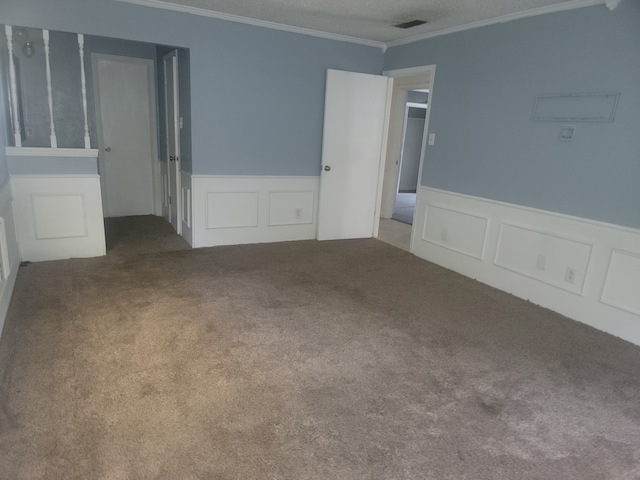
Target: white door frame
[[153, 121], [399, 86], [176, 119]]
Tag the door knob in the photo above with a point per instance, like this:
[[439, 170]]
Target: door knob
[[107, 148], [327, 168]]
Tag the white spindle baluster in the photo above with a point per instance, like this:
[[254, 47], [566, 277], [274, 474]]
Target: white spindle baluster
[[87, 140], [54, 141], [14, 88]]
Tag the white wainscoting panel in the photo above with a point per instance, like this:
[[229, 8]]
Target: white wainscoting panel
[[543, 256], [291, 208], [49, 224], [231, 210], [9, 252], [58, 216], [187, 218], [622, 286], [586, 270], [461, 232]]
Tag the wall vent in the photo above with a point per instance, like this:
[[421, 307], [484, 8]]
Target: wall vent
[[411, 24]]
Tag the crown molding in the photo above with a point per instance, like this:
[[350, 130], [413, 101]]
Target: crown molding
[[255, 22], [560, 7]]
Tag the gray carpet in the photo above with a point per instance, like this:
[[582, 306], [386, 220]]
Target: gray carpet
[[302, 360]]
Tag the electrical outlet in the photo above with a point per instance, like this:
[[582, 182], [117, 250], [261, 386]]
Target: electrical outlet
[[541, 264], [298, 214], [570, 276]]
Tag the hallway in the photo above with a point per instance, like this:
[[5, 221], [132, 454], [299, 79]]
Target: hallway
[[141, 234]]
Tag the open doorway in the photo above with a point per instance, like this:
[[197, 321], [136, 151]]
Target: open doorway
[[407, 133], [409, 164]]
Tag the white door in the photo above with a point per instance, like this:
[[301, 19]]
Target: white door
[[125, 99], [354, 121], [172, 115]]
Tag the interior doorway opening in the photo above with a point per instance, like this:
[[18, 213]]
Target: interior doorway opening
[[408, 122], [409, 162]]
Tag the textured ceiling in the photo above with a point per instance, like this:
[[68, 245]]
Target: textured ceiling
[[372, 19]]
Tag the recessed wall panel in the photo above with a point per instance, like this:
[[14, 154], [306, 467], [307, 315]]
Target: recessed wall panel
[[290, 208], [622, 285], [550, 258], [59, 216], [232, 209], [456, 230]]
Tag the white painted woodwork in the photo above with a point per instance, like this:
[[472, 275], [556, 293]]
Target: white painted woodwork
[[241, 209], [519, 249], [291, 208], [9, 253], [404, 80], [52, 126], [83, 83], [186, 202], [230, 210], [172, 115], [622, 285], [125, 100], [58, 216], [49, 224], [455, 230], [13, 87], [501, 244], [354, 121], [91, 153]]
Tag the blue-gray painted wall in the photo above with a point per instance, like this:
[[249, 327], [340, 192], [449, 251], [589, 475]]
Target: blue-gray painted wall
[[485, 85], [277, 76]]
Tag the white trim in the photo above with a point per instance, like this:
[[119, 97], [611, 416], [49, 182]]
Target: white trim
[[597, 223], [51, 152], [603, 292], [174, 166], [255, 22], [50, 230], [293, 216], [570, 5], [56, 175], [406, 72], [559, 7]]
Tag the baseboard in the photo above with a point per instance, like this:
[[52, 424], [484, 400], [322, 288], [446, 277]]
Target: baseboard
[[230, 210], [586, 270], [58, 216]]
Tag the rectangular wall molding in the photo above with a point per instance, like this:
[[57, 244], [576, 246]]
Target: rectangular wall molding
[[231, 209], [455, 230], [622, 285], [542, 256], [291, 208], [584, 269], [58, 216], [228, 210], [47, 219]]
